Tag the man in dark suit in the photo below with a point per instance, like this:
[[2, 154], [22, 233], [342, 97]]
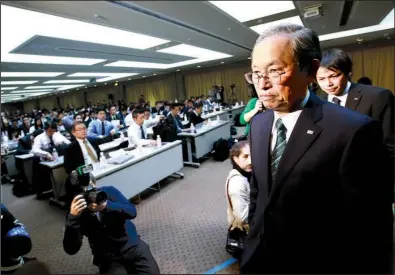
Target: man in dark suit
[[376, 102], [81, 151], [320, 195], [195, 116], [116, 116]]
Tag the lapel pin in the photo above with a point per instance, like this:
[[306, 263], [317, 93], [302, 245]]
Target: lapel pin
[[310, 132], [355, 98]]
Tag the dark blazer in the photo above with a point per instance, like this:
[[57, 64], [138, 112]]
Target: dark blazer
[[118, 117], [195, 119], [377, 103], [73, 156], [329, 210], [169, 129], [24, 145]]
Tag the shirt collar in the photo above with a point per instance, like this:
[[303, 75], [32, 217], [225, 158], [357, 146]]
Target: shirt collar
[[290, 118]]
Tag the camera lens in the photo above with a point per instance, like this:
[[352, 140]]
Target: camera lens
[[98, 197]]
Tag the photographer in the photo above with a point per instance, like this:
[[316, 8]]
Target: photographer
[[104, 216], [15, 242]]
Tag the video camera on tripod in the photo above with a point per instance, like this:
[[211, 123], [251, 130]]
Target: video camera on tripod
[[83, 178]]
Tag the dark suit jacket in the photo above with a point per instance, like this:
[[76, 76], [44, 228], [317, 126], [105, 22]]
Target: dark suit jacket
[[377, 103], [195, 119], [169, 129], [24, 145], [73, 156], [118, 117], [329, 210]]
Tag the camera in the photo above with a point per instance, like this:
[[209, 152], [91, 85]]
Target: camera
[[83, 177]]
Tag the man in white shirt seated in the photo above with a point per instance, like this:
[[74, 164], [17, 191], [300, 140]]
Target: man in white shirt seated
[[137, 132], [45, 143], [43, 147]]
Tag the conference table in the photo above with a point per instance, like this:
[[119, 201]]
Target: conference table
[[222, 115], [131, 177], [235, 110], [204, 139]]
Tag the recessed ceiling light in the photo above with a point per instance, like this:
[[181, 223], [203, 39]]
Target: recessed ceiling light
[[222, 62], [262, 27], [18, 82], [95, 85], [78, 89], [32, 91], [29, 74], [105, 83], [199, 54], [178, 70], [248, 10], [198, 66], [8, 88], [129, 78], [116, 84], [53, 26], [110, 76], [144, 76], [154, 74], [229, 29], [67, 81], [86, 87]]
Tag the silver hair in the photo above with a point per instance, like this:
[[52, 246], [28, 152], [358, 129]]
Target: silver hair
[[306, 44]]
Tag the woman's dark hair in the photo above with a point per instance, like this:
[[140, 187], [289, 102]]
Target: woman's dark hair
[[252, 90], [36, 119], [235, 151]]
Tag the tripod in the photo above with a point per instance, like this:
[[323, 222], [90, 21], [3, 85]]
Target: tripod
[[233, 97]]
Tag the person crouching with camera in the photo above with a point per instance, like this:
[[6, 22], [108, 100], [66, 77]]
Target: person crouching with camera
[[104, 216]]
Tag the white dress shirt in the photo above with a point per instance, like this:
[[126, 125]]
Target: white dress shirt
[[88, 160], [238, 189], [343, 96], [42, 142], [129, 120], [289, 120], [134, 132]]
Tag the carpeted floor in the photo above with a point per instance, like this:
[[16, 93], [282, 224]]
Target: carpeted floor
[[184, 224]]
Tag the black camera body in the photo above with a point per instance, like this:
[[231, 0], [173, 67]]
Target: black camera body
[[93, 195], [82, 177]]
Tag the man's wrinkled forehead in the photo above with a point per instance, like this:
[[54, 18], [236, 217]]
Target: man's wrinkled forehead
[[274, 50]]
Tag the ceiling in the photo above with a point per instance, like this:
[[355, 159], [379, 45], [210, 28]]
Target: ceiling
[[52, 47]]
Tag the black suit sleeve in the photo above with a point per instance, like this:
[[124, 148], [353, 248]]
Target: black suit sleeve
[[253, 189], [383, 110], [367, 198], [23, 147], [72, 239], [68, 158]]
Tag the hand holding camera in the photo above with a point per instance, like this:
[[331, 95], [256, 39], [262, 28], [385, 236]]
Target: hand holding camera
[[78, 205]]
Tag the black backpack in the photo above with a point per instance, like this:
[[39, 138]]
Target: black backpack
[[221, 149]]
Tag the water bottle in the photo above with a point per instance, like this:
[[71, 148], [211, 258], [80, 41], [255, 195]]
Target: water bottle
[[185, 118], [55, 153], [103, 161], [220, 108], [241, 103], [209, 122], [158, 141], [122, 137], [192, 128], [218, 119]]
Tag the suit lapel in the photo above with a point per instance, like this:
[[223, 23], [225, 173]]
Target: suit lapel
[[303, 136], [261, 152], [354, 97]]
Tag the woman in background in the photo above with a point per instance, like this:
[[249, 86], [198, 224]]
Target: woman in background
[[37, 124], [253, 107], [237, 183]]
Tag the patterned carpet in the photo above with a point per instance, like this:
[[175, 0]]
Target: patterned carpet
[[184, 224]]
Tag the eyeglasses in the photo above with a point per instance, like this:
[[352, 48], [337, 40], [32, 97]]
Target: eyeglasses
[[274, 76]]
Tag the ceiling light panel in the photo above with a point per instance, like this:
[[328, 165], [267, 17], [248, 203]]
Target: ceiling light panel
[[8, 88], [67, 81], [105, 76], [389, 19], [248, 10], [43, 59], [200, 55], [32, 94], [15, 31], [29, 74], [52, 86], [291, 20], [19, 82], [31, 91]]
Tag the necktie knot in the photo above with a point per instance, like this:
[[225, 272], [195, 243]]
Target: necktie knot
[[336, 100], [280, 125]]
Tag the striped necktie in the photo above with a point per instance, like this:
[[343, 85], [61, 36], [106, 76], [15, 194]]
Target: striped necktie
[[278, 151], [336, 100]]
